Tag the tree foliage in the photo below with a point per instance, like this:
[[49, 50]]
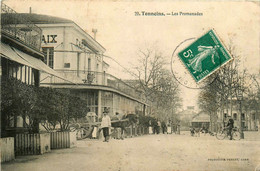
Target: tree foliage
[[38, 105], [231, 84], [156, 82]]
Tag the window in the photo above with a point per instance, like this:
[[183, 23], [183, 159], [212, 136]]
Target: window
[[48, 56], [225, 115], [243, 116], [253, 116], [66, 65], [89, 64], [235, 116]]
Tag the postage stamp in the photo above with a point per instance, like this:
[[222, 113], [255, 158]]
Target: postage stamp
[[204, 56]]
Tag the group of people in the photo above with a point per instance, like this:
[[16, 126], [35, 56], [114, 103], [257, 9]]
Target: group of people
[[154, 128], [161, 127]]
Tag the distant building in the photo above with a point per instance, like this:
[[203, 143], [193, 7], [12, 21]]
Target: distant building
[[201, 120], [186, 117], [248, 116]]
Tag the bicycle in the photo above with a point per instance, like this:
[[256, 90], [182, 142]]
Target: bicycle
[[222, 134]]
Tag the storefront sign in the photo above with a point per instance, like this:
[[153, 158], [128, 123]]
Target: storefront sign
[[49, 39]]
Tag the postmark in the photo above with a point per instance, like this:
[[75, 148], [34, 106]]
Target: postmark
[[204, 56], [181, 74]]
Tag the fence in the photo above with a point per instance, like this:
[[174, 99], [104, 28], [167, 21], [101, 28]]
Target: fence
[[60, 140], [20, 27], [31, 144], [95, 78], [7, 149]]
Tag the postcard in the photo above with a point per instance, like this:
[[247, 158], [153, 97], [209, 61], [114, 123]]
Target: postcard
[[130, 85]]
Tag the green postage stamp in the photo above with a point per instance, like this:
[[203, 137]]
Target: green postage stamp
[[204, 56]]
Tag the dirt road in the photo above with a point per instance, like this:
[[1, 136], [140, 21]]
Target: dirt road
[[147, 153]]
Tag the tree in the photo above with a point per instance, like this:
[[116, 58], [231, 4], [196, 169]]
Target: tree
[[221, 95], [157, 83], [148, 71], [17, 99], [60, 107], [209, 101], [38, 105]]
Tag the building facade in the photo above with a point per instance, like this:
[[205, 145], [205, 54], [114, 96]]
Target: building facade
[[201, 120], [248, 117], [21, 62], [78, 57]]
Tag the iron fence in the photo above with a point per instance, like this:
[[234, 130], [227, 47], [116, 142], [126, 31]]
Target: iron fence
[[96, 78], [19, 26]]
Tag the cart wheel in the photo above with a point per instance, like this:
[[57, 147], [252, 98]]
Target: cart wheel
[[87, 132]]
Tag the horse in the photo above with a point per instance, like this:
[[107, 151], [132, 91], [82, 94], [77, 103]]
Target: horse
[[126, 121]]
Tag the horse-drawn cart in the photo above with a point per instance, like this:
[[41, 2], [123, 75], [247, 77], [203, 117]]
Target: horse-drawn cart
[[84, 127]]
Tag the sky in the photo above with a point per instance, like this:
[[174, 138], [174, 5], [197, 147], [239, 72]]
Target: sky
[[122, 33]]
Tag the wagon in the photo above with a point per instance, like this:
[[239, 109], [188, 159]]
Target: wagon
[[84, 126]]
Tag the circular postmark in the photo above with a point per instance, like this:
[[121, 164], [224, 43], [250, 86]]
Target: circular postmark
[[182, 74]]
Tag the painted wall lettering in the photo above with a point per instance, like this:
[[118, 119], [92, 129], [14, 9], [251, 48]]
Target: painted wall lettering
[[49, 39]]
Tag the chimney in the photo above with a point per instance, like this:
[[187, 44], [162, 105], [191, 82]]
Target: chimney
[[30, 10], [95, 32]]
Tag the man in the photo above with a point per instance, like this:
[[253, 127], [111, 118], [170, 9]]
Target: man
[[164, 127], [118, 130], [105, 125], [230, 126], [158, 127]]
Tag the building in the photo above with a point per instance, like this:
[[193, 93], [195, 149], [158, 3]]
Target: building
[[201, 120], [248, 116], [186, 117], [78, 57], [21, 59]]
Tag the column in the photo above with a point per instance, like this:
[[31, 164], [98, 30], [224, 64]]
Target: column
[[99, 104]]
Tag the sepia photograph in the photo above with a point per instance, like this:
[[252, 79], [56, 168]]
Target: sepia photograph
[[126, 85]]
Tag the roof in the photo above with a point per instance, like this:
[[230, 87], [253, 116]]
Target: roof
[[25, 18], [201, 117], [34, 18]]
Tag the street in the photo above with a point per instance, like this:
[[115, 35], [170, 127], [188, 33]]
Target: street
[[150, 152]]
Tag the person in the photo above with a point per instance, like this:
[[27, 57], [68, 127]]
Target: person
[[95, 128], [192, 131], [150, 127], [155, 125], [158, 127], [94, 132], [118, 130], [105, 125], [169, 127], [230, 126], [164, 127]]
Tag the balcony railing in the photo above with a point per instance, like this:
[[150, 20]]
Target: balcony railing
[[95, 78], [19, 27]]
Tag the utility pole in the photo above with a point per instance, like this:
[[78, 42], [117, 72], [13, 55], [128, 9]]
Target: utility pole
[[240, 99]]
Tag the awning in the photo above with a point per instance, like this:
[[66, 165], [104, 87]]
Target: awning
[[25, 59], [7, 52]]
